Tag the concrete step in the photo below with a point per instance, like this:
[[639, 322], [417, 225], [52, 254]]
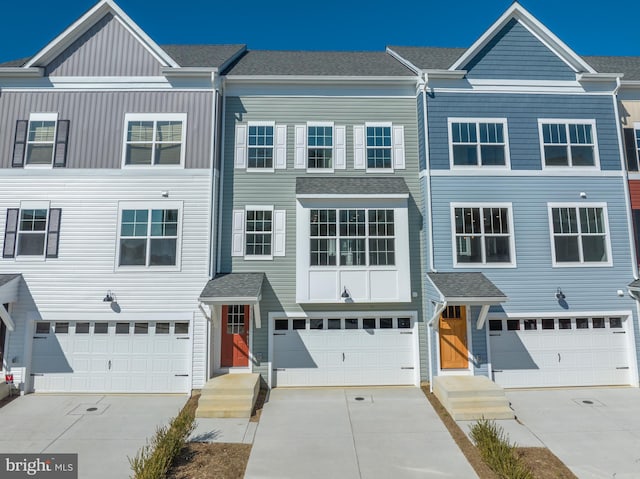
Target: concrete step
[[231, 395], [473, 414], [466, 386], [479, 401], [472, 397], [217, 402], [224, 409]]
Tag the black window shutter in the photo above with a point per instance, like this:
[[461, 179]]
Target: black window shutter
[[62, 135], [53, 232], [20, 144], [10, 233], [631, 149]]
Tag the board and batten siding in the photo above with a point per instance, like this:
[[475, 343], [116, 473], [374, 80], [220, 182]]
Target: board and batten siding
[[514, 53], [241, 188], [106, 49], [522, 112], [76, 281], [97, 122]]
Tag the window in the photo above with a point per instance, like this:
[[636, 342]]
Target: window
[[615, 323], [564, 323], [281, 324], [483, 235], [100, 328], [32, 231], [182, 328], [122, 328], [379, 147], [598, 323], [259, 232], [41, 141], [404, 323], [568, 143], [386, 323], [299, 324], [495, 325], [43, 327], [579, 235], [478, 143], [162, 328], [260, 148], [148, 237], [334, 323], [61, 328], [319, 147], [140, 328], [154, 140], [548, 324], [582, 323], [530, 324], [369, 323], [352, 237], [82, 328], [351, 323], [513, 324], [316, 323]]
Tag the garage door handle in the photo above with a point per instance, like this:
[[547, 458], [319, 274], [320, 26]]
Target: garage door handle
[[623, 367], [183, 337], [109, 364], [279, 334], [406, 332], [181, 375], [36, 374], [498, 371], [279, 369], [619, 332], [559, 357], [343, 357], [39, 337], [406, 367]]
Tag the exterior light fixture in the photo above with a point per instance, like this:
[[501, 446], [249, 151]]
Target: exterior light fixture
[[345, 294], [560, 295], [110, 297]]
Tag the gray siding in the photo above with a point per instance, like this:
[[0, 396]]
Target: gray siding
[[522, 112], [106, 49], [97, 122], [241, 188], [515, 54]]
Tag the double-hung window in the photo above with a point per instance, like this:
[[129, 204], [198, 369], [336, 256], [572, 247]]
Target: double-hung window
[[319, 147], [258, 232], [478, 142], [579, 235], [32, 231], [632, 147], [149, 235], [154, 139], [352, 237], [568, 143], [483, 235], [379, 147], [41, 141], [260, 147]]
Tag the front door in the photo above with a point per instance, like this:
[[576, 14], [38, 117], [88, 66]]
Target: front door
[[453, 338], [234, 350]]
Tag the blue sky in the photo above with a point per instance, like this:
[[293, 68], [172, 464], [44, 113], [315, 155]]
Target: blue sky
[[589, 27]]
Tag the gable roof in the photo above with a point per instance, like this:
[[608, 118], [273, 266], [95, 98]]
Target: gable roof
[[466, 285], [233, 285], [218, 56], [318, 63]]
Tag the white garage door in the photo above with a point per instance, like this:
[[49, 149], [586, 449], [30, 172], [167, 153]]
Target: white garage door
[[560, 352], [127, 357], [344, 351]]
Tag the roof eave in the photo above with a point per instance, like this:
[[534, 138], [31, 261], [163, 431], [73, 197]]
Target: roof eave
[[445, 74], [598, 77], [353, 196], [475, 300], [189, 71], [229, 299], [287, 79], [14, 72]]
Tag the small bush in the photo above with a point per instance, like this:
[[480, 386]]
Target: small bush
[[496, 450], [154, 459]]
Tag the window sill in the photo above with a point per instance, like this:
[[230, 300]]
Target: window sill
[[485, 265], [607, 264], [260, 170], [320, 170], [140, 269], [160, 167], [379, 170], [258, 258]]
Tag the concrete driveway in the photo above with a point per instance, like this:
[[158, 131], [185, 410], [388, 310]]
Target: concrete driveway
[[103, 438], [594, 431], [328, 432]]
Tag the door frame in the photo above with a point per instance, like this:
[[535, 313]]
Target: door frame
[[215, 340], [468, 371]]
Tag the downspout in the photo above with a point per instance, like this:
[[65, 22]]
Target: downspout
[[427, 172], [214, 180], [221, 179], [436, 314]]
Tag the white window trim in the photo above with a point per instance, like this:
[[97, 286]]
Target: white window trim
[[273, 147], [582, 263], [155, 117], [636, 136], [150, 205], [512, 237], [477, 121], [41, 117], [32, 205], [385, 124], [264, 257], [564, 121], [333, 147]]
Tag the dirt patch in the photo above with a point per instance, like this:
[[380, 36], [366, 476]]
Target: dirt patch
[[211, 461], [543, 463]]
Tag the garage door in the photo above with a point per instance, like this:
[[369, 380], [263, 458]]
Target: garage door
[[95, 356], [344, 351], [560, 352]]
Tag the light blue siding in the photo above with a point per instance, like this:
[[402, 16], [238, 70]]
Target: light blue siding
[[479, 348], [522, 112], [515, 54]]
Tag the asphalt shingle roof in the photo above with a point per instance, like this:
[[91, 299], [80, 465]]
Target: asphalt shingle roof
[[350, 186], [233, 285], [5, 278], [202, 55], [320, 63], [465, 285], [630, 66], [429, 58]]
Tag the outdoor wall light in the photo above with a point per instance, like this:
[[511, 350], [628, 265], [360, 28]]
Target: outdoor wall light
[[560, 295], [110, 297], [345, 294]]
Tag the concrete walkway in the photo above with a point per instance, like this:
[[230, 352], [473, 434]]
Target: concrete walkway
[[328, 432], [103, 439], [594, 431]]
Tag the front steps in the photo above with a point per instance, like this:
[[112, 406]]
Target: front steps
[[468, 398], [231, 395]]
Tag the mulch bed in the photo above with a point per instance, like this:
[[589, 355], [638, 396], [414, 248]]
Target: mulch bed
[[543, 463]]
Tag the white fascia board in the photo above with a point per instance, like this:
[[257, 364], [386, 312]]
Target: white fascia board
[[476, 301], [189, 71], [404, 61], [445, 74], [354, 196], [328, 79], [80, 26], [518, 12], [631, 84], [21, 72], [230, 300], [582, 77]]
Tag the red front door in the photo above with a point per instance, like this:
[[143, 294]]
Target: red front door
[[234, 350]]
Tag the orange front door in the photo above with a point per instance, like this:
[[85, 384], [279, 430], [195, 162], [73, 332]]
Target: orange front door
[[453, 338], [234, 349]]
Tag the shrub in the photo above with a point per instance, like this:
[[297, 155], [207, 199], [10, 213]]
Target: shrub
[[496, 450], [154, 459]]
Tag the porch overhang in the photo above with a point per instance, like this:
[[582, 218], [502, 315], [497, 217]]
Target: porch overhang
[[9, 285], [465, 288], [233, 288]]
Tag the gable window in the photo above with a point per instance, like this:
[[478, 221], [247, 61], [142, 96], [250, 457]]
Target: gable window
[[258, 232], [379, 147], [352, 237], [579, 235], [260, 149], [154, 139], [32, 231], [148, 237], [483, 235], [478, 142], [568, 143], [320, 147], [41, 141]]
